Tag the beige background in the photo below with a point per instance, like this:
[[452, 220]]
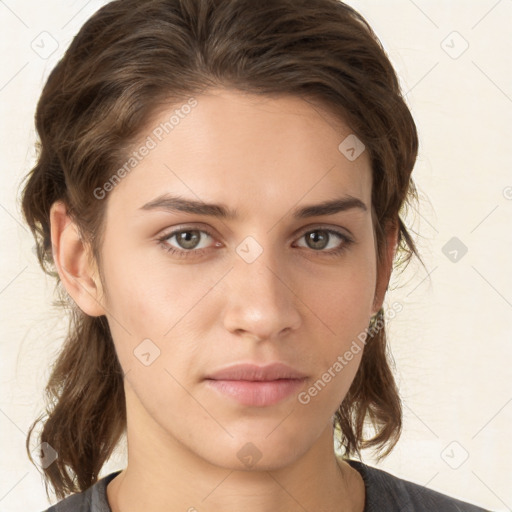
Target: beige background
[[451, 343]]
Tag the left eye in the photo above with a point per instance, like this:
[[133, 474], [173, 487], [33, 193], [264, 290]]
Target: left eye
[[320, 242]]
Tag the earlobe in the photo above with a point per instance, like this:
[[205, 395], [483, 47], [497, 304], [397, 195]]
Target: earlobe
[[73, 263]]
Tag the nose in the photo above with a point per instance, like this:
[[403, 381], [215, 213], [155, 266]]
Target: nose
[[262, 300]]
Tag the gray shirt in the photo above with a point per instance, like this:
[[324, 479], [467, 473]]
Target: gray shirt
[[384, 493]]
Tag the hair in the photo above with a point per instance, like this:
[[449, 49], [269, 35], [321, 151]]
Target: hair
[[134, 57]]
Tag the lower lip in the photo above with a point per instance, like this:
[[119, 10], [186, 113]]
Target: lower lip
[[257, 393]]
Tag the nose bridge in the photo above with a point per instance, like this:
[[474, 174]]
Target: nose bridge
[[259, 268], [260, 301]]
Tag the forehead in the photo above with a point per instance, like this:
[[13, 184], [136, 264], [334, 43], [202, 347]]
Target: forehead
[[253, 153]]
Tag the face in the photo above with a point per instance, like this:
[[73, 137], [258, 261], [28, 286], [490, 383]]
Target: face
[[187, 294]]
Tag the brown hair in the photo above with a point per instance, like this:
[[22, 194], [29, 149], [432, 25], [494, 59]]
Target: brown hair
[[133, 57]]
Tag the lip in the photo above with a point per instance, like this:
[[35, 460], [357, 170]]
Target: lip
[[256, 386], [256, 393], [254, 372]]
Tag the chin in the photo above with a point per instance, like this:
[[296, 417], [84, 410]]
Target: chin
[[254, 453]]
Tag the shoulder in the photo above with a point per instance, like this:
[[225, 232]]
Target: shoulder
[[386, 492], [93, 499]]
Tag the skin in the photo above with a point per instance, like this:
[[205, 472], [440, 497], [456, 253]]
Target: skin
[[263, 156]]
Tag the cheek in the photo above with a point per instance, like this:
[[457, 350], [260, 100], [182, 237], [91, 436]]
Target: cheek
[[150, 307], [338, 351], [342, 303], [342, 295], [149, 295]]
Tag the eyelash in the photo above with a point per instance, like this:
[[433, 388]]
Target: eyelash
[[347, 242]]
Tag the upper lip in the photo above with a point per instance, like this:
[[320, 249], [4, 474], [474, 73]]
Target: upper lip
[[248, 371]]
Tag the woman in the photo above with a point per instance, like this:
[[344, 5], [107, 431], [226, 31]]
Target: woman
[[217, 192]]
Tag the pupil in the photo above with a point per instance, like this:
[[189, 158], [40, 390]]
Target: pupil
[[314, 237], [183, 237]]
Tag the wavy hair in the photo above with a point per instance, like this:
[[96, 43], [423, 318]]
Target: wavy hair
[[133, 57]]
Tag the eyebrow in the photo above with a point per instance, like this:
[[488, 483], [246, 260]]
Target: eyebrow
[[172, 204]]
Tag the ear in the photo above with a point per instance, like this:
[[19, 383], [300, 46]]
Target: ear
[[386, 265], [72, 257]]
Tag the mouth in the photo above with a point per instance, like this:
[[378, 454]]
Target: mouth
[[256, 393], [254, 385]]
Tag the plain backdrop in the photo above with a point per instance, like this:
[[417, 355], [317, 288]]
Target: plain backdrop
[[451, 343]]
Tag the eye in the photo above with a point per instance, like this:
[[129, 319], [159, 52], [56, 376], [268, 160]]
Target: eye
[[320, 238], [187, 240]]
